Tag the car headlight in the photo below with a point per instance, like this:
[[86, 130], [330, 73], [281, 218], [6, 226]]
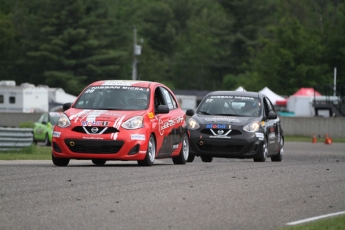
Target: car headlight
[[134, 123], [193, 124], [63, 121], [252, 127]]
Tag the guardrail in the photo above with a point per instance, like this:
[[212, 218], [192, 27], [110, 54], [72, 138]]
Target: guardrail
[[15, 138]]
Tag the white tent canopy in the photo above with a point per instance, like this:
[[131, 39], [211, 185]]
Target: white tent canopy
[[271, 95], [240, 89]]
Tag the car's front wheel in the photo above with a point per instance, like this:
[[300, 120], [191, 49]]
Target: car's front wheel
[[279, 156], [191, 157], [60, 161], [150, 153], [47, 141], [184, 153], [98, 162], [206, 159], [263, 152]]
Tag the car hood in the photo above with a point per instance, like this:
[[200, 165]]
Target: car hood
[[207, 119], [89, 117]]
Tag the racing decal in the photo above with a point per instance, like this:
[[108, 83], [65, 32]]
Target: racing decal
[[215, 126], [272, 136], [260, 136], [138, 137], [93, 138], [117, 125], [93, 88], [94, 123], [151, 115], [117, 82], [169, 123], [234, 97], [56, 134], [220, 136], [220, 133], [175, 146], [263, 124], [229, 119]]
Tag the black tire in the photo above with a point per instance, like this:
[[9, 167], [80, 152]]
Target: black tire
[[279, 156], [150, 153], [206, 159], [60, 161], [263, 152], [191, 157], [98, 162], [47, 141], [182, 158]]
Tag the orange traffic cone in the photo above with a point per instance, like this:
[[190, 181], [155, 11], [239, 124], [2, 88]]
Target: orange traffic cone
[[328, 140], [314, 139]]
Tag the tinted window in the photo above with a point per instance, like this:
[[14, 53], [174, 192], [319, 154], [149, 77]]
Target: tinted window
[[230, 106], [12, 100], [1, 99]]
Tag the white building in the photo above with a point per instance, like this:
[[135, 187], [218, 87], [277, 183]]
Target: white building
[[28, 98]]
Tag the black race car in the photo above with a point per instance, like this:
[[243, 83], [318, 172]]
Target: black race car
[[235, 124]]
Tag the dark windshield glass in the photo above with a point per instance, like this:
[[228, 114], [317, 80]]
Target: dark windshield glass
[[231, 106], [114, 97]]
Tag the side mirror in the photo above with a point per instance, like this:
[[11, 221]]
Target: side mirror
[[44, 122], [190, 112], [272, 115], [162, 109], [66, 106]]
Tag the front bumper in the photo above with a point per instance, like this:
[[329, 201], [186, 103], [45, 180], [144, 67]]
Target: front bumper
[[246, 145], [124, 145]]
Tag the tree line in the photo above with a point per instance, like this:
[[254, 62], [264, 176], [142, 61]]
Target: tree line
[[194, 44]]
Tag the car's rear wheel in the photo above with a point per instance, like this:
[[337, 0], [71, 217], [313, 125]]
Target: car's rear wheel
[[46, 140], [150, 153], [279, 156], [184, 153], [206, 159], [191, 157], [98, 162], [263, 152], [60, 161]]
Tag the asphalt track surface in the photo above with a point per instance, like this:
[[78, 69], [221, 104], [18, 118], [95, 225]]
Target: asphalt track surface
[[225, 194]]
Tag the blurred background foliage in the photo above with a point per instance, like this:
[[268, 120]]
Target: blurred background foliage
[[194, 44]]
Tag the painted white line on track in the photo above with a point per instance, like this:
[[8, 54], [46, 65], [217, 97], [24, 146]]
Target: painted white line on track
[[315, 218]]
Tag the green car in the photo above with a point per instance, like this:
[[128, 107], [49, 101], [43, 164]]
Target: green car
[[43, 128]]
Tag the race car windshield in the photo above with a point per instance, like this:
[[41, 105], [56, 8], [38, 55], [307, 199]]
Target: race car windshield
[[231, 106], [114, 98]]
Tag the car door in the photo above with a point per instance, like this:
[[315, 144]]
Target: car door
[[170, 124], [272, 128], [40, 127]]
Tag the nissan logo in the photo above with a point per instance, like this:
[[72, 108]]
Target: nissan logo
[[94, 129], [220, 132]]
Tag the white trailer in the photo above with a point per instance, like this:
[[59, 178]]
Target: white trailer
[[25, 98], [187, 101]]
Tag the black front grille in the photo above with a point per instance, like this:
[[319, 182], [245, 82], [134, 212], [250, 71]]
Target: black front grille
[[232, 133], [216, 147], [81, 129], [94, 146]]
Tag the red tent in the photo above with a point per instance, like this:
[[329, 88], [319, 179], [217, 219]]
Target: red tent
[[306, 92], [300, 92]]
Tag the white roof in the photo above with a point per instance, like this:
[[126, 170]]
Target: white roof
[[271, 95], [240, 89]]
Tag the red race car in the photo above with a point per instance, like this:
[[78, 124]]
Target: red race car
[[122, 120]]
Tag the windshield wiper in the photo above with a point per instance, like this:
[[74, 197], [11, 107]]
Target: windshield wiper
[[223, 114], [203, 112]]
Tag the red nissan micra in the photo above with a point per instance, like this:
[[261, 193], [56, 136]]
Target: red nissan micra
[[122, 120]]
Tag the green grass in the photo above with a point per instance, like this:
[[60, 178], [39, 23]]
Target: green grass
[[309, 139], [333, 223], [29, 153]]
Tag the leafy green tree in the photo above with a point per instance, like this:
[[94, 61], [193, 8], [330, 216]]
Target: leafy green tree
[[73, 42]]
